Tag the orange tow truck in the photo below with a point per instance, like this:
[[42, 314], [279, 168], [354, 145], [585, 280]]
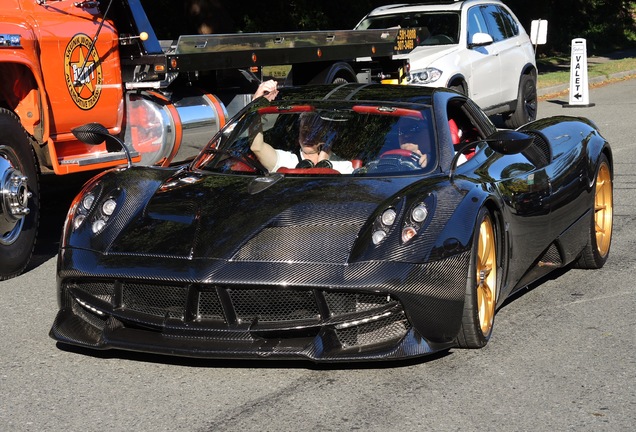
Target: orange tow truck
[[65, 63]]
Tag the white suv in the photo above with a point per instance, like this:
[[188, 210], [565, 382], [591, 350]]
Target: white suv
[[477, 47]]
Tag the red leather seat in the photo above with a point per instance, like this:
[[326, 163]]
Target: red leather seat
[[454, 130]]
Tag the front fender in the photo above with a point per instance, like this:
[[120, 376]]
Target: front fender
[[22, 86]]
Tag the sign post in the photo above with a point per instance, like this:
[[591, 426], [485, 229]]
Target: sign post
[[579, 90]]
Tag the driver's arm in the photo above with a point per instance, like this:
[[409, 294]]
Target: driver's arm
[[263, 151]]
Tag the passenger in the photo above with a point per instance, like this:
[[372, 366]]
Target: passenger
[[414, 136]]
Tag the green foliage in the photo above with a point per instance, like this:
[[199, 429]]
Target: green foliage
[[605, 24]]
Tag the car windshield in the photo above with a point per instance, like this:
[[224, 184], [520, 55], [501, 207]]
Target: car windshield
[[434, 28], [355, 138]]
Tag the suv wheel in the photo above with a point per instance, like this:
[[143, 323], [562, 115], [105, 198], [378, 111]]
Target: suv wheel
[[526, 110]]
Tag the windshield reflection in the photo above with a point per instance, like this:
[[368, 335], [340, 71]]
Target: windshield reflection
[[340, 139]]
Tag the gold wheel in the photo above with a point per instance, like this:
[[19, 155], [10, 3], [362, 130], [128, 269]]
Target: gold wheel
[[603, 209], [486, 274]]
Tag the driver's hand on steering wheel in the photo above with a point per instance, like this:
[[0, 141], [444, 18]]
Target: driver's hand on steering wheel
[[414, 148]]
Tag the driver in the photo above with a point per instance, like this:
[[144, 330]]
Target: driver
[[414, 136], [313, 148]]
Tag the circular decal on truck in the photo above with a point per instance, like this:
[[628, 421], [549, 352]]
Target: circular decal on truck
[[83, 72]]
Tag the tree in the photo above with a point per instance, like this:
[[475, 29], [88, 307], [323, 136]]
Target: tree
[[605, 24]]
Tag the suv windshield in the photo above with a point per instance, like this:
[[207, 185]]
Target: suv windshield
[[344, 138], [434, 28]]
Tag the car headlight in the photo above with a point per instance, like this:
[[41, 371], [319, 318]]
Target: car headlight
[[95, 207], [382, 225], [419, 213], [424, 76], [413, 222]]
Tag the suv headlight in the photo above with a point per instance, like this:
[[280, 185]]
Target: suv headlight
[[424, 76]]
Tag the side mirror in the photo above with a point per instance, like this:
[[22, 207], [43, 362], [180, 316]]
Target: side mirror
[[509, 141], [504, 141], [95, 133], [480, 39]]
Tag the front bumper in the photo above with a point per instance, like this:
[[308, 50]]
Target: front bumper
[[246, 310]]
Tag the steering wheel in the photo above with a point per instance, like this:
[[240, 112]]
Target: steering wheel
[[396, 160], [404, 158]]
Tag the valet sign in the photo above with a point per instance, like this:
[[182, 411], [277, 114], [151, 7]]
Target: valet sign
[[579, 91]]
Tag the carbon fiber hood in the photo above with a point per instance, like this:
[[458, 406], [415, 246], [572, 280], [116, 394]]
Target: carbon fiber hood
[[294, 219]]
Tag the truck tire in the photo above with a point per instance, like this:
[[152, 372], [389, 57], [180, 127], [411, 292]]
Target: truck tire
[[526, 110], [19, 196]]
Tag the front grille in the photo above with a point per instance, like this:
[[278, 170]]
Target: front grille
[[155, 300], [273, 305], [356, 318], [209, 306], [393, 327]]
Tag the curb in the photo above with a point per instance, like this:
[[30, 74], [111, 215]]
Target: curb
[[542, 92]]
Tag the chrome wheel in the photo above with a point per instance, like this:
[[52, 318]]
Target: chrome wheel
[[14, 197], [19, 196]]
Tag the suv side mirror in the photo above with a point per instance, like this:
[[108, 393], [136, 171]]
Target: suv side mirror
[[480, 39]]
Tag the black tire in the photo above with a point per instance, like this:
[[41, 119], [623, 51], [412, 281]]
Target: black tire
[[526, 110], [459, 88], [599, 240], [340, 80], [19, 196], [480, 301]]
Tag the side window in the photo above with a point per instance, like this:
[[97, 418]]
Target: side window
[[512, 29], [496, 23], [476, 23]]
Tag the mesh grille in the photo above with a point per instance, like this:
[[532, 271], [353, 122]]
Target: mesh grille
[[155, 300], [209, 306], [552, 256], [346, 303], [274, 305], [102, 290], [387, 329]]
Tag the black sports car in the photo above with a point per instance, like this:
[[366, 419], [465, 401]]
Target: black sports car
[[335, 223]]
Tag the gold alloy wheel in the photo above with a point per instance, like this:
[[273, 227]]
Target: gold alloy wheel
[[603, 209], [486, 275]]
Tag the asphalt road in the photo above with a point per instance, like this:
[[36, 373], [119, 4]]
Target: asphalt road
[[562, 356]]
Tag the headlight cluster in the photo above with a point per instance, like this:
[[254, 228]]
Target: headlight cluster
[[413, 222], [97, 208], [424, 76]]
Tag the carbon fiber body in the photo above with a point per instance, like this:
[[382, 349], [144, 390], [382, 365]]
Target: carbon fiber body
[[216, 265]]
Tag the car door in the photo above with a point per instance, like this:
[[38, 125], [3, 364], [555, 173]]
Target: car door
[[504, 29], [485, 70]]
